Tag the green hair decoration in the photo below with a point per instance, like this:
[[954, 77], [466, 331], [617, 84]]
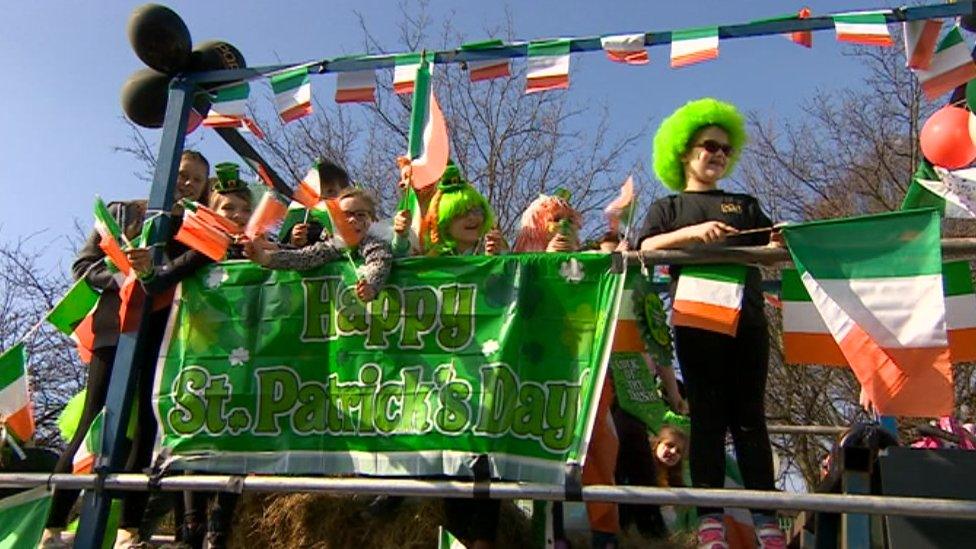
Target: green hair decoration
[[676, 132]]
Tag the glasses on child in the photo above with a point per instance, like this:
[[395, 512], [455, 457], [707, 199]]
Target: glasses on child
[[713, 147]]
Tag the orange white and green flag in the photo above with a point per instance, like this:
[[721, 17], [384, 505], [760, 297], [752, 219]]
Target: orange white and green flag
[[112, 239], [709, 297], [921, 38], [626, 48], [807, 340], [405, 72], [356, 87], [72, 316], [692, 46], [951, 66], [204, 233], [293, 94], [15, 404], [869, 28], [877, 283], [548, 65], [488, 68], [228, 107], [268, 215]]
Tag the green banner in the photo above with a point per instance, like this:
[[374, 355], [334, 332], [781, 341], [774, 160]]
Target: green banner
[[285, 372]]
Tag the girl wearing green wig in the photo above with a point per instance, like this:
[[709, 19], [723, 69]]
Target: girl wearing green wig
[[458, 219], [725, 375]]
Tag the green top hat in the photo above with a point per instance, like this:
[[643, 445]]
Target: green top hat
[[228, 178]]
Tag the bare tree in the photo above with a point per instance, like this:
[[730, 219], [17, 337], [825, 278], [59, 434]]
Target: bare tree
[[27, 293], [847, 153]]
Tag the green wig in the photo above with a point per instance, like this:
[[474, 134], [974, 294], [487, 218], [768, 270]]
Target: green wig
[[454, 198], [676, 132]]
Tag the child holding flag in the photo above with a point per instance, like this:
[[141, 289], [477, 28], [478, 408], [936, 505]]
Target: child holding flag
[[191, 183], [357, 211], [331, 180], [724, 373]]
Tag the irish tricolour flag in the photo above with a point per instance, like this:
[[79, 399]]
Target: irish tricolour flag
[[952, 65], [876, 282], [548, 65], [15, 404], [692, 46], [293, 93], [405, 72], [626, 48], [488, 68], [112, 238], [867, 27], [921, 38], [227, 107], [709, 297], [807, 340], [72, 316], [427, 143], [356, 87]]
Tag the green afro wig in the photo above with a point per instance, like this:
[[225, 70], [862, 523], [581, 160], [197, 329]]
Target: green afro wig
[[674, 134]]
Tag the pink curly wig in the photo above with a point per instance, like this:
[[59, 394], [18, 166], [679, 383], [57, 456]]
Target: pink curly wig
[[536, 229]]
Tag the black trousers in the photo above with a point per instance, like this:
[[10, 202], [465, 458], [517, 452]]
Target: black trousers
[[99, 372], [635, 467], [725, 381]]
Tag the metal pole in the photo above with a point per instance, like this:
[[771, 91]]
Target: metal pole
[[750, 499], [821, 430], [132, 354]]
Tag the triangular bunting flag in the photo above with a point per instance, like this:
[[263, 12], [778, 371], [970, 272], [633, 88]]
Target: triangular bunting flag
[[405, 72], [293, 94], [486, 69], [356, 87], [548, 66], [626, 48], [15, 404], [951, 66], [692, 46], [876, 282], [953, 193], [921, 37], [869, 28], [709, 297]]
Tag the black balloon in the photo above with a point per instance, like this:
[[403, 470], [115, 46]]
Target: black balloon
[[215, 55], [144, 96], [159, 37]]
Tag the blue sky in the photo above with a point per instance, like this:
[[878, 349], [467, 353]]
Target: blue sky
[[64, 63]]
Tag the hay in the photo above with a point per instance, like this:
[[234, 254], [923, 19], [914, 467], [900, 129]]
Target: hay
[[325, 521]]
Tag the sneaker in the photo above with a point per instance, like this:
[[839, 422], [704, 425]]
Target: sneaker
[[711, 534], [770, 536]]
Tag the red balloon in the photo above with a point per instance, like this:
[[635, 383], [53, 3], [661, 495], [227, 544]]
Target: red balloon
[[945, 138]]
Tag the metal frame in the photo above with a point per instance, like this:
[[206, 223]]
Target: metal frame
[[131, 355]]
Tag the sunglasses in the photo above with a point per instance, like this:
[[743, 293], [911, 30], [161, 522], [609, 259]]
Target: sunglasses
[[713, 147]]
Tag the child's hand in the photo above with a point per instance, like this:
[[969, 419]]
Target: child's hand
[[680, 406], [141, 261], [401, 222], [494, 242], [259, 250], [623, 246], [299, 234], [709, 232], [561, 243], [365, 291]]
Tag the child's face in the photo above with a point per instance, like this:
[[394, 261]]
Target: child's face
[[708, 166], [466, 229], [668, 452], [191, 180], [233, 207], [608, 246], [330, 188], [358, 212]]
